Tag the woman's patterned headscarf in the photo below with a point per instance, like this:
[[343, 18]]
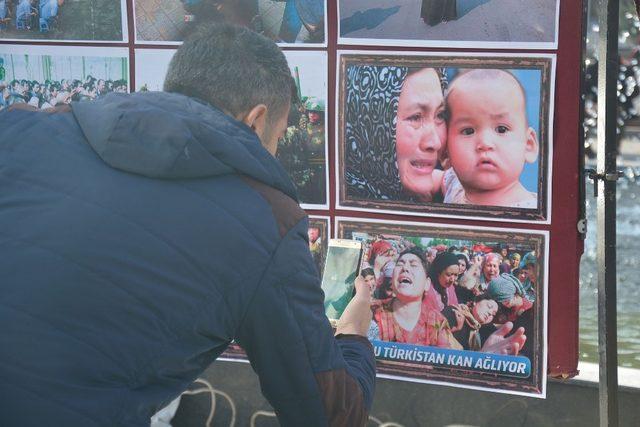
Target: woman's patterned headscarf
[[371, 100]]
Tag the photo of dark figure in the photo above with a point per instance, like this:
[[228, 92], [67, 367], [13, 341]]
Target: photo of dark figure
[[450, 23], [434, 12], [284, 21], [447, 135], [441, 288], [90, 20]]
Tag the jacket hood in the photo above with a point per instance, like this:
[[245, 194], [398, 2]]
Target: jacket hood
[[171, 136]]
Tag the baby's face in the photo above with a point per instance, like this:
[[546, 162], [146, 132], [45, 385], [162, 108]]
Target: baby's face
[[488, 137]]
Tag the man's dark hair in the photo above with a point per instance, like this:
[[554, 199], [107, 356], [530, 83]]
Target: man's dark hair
[[417, 252], [233, 69], [367, 272]]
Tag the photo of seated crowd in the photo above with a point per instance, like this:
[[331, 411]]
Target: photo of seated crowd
[[44, 81], [284, 21], [455, 136], [452, 289], [57, 20]]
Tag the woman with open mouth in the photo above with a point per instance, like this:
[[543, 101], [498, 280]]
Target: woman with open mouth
[[405, 318]]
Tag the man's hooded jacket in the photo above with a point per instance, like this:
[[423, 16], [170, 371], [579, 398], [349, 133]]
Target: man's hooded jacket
[[141, 234]]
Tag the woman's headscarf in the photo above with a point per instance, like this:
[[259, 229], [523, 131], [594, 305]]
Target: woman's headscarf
[[439, 264], [504, 287], [378, 247], [463, 257], [371, 105]]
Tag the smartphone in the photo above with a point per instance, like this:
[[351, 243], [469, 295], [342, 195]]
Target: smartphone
[[341, 268]]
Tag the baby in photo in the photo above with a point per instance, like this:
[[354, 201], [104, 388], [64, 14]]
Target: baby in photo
[[489, 141]]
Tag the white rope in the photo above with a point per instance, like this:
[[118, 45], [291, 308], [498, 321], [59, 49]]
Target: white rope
[[212, 392], [381, 424], [252, 422], [375, 420], [231, 404]]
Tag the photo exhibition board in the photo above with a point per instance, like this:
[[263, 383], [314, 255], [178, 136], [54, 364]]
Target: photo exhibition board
[[356, 151]]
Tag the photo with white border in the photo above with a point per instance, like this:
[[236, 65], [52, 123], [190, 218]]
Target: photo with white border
[[95, 21], [479, 24], [465, 332], [289, 24], [370, 176], [303, 151], [48, 76]]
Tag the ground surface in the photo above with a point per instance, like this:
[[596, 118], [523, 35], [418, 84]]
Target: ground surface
[[163, 20], [496, 20]]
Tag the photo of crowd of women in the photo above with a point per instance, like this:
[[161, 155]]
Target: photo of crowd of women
[[450, 135], [452, 289], [284, 21], [46, 81], [96, 20], [481, 23]]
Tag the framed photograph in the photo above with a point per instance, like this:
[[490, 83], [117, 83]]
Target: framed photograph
[[303, 151], [485, 24], [64, 21], [445, 135], [46, 76], [456, 305], [319, 236], [300, 23]]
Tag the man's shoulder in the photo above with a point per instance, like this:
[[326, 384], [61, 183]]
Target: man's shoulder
[[21, 106], [286, 210]]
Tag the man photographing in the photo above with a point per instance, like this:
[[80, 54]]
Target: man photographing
[[142, 233]]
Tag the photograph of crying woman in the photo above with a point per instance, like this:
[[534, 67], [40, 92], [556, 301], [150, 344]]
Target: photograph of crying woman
[[456, 136], [453, 305]]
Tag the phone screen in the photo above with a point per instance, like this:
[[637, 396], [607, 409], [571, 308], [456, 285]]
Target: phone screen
[[340, 271]]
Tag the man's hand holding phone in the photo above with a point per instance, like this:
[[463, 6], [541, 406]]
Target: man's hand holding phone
[[356, 318]]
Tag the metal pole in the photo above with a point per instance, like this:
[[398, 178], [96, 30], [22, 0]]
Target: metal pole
[[607, 175]]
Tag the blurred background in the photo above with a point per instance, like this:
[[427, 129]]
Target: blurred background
[[628, 198]]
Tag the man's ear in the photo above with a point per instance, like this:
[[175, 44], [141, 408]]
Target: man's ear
[[256, 119], [532, 148]]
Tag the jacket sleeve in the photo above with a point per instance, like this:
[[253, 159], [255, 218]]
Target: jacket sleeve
[[309, 376]]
